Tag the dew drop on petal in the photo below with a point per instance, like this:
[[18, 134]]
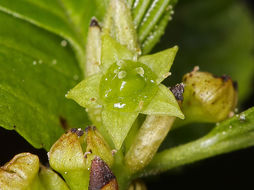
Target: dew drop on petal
[[64, 43]]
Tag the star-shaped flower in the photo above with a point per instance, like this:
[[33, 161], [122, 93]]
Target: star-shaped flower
[[126, 86]]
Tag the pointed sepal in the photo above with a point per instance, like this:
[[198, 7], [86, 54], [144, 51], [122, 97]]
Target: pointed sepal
[[112, 52], [160, 63], [164, 103], [86, 93], [118, 124]]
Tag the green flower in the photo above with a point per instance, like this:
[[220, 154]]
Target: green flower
[[126, 86]]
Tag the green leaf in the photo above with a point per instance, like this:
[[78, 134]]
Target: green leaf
[[156, 33], [36, 72], [86, 93], [118, 124], [151, 17], [67, 18], [232, 134], [112, 51], [161, 62], [164, 103]]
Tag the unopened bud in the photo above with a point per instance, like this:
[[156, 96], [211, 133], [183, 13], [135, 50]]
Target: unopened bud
[[101, 177], [97, 146], [66, 157], [208, 98], [72, 154], [20, 173]]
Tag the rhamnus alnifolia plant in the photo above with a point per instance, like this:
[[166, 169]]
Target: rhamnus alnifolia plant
[[131, 109], [121, 83]]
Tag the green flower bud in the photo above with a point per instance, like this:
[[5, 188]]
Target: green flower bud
[[20, 173], [208, 98], [97, 146], [71, 155], [66, 157]]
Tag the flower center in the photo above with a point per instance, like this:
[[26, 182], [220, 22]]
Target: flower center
[[128, 86]]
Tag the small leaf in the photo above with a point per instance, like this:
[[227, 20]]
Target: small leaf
[[161, 62], [118, 124], [151, 17], [154, 36], [112, 51], [86, 93], [164, 103]]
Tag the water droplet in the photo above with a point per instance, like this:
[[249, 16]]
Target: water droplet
[[65, 172], [121, 74], [119, 105], [40, 61], [242, 117], [54, 61], [64, 43], [34, 62], [120, 63], [66, 94], [140, 71]]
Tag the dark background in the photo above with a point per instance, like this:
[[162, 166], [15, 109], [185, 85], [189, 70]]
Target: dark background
[[234, 169]]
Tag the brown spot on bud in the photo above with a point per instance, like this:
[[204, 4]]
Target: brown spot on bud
[[79, 132], [90, 128], [101, 177], [225, 78], [178, 90], [94, 23]]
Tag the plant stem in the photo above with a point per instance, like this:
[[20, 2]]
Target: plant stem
[[150, 136], [232, 134]]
